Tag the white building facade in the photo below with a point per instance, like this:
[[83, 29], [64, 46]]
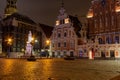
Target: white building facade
[[65, 35]]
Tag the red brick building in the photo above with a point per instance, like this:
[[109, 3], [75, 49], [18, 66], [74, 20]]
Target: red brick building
[[103, 19], [104, 26]]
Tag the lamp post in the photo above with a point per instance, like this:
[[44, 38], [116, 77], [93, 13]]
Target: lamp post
[[9, 43], [48, 47]]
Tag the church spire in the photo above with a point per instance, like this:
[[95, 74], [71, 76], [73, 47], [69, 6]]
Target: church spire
[[10, 7]]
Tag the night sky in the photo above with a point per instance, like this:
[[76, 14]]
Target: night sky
[[46, 11]]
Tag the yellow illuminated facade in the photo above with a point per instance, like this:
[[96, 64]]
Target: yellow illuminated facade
[[10, 7]]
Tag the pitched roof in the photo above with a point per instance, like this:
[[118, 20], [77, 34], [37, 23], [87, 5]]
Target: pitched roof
[[76, 24], [20, 17], [47, 29]]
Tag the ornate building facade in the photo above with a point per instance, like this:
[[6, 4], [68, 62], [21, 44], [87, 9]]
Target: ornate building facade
[[14, 29], [65, 35], [103, 29]]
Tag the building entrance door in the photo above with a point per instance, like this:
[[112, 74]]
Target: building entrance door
[[102, 54], [112, 53], [71, 53], [53, 54], [81, 53]]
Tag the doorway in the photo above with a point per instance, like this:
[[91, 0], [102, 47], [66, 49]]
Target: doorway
[[102, 54], [71, 54], [112, 53]]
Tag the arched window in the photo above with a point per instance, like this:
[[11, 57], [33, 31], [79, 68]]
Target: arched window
[[116, 39], [100, 41], [108, 40]]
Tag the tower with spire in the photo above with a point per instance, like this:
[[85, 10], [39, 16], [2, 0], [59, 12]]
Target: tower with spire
[[10, 7]]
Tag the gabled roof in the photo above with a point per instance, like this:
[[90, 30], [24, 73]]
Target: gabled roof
[[20, 17], [76, 24], [47, 29]]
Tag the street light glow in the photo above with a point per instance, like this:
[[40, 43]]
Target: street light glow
[[9, 40], [36, 40], [48, 42], [33, 38]]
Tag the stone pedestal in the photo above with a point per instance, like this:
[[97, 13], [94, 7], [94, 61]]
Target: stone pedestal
[[28, 49]]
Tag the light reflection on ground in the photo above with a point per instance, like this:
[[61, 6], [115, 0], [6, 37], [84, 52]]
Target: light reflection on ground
[[58, 69]]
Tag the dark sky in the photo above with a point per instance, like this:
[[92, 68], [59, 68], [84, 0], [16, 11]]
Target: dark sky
[[46, 11]]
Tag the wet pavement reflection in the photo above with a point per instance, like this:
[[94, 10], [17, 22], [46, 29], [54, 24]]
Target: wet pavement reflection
[[57, 69]]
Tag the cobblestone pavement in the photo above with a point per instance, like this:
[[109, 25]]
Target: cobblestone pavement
[[59, 69]]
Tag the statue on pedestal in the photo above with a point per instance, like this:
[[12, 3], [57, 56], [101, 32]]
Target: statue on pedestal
[[29, 45]]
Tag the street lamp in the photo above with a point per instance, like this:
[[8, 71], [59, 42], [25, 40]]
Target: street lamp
[[47, 42], [47, 46], [9, 43]]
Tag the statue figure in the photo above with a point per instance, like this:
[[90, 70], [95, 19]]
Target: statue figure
[[29, 45], [29, 37]]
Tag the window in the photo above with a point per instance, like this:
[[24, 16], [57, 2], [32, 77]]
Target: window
[[100, 41], [72, 44], [57, 22], [67, 20], [108, 40], [65, 34], [58, 44], [116, 39], [59, 35], [64, 44], [64, 53]]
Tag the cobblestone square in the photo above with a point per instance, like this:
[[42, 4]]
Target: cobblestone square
[[59, 69]]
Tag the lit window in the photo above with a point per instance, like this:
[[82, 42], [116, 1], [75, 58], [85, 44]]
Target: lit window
[[67, 20], [57, 23]]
